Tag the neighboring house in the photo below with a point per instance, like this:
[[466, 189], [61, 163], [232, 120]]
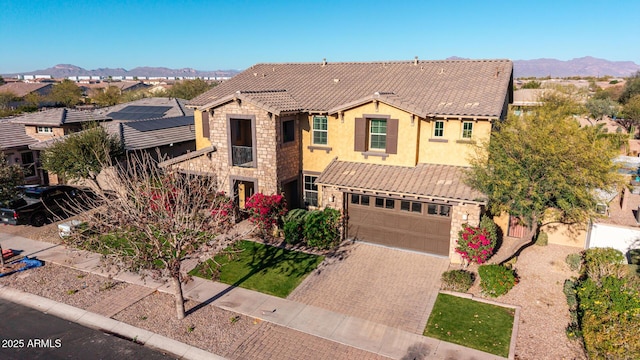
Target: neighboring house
[[14, 143], [21, 89], [161, 126], [525, 99], [387, 143]]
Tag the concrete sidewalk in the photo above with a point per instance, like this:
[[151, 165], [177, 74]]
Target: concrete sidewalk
[[347, 330]]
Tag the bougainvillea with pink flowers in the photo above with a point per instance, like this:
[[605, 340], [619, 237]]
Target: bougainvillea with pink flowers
[[266, 210], [475, 244]]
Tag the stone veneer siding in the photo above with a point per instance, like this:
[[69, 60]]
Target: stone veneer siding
[[289, 155], [272, 165], [457, 212]]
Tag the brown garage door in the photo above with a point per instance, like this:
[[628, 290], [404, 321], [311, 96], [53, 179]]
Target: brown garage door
[[399, 223]]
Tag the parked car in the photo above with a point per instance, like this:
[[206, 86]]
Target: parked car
[[37, 205]]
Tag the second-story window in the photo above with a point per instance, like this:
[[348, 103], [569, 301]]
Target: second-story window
[[377, 134], [288, 131], [320, 130], [467, 129], [438, 129], [45, 130]]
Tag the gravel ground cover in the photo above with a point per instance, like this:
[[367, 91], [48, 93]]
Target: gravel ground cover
[[544, 312]]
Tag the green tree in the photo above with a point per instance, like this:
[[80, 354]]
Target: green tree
[[6, 98], [544, 167], [631, 114], [188, 89], [631, 88], [533, 84], [107, 97], [10, 177], [82, 155], [1, 80], [66, 93], [599, 108]]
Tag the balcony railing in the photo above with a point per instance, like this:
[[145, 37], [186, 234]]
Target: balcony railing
[[242, 156]]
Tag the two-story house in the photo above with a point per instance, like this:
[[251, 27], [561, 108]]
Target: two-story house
[[387, 143]]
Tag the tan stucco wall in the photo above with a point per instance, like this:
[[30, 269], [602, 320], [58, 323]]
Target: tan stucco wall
[[202, 140], [559, 234], [567, 235], [455, 151], [341, 139]]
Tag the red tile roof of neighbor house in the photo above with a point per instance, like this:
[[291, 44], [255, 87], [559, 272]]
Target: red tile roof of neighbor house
[[426, 181], [473, 88], [21, 89]]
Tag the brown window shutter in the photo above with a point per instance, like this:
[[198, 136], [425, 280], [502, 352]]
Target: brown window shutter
[[205, 124], [360, 141], [392, 136]]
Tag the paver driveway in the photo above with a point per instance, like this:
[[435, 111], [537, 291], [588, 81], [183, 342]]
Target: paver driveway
[[393, 287]]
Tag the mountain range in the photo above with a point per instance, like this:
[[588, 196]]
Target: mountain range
[[584, 66]]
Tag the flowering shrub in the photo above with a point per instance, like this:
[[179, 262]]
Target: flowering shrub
[[496, 280], [266, 210], [475, 244]]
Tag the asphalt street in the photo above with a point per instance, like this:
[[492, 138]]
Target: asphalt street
[[26, 333]]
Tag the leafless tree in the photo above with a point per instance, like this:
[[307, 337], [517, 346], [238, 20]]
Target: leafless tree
[[156, 220]]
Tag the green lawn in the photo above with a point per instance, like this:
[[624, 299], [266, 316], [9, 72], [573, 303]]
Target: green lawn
[[472, 324], [262, 268]]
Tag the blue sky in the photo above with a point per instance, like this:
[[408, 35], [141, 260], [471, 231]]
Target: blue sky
[[213, 35]]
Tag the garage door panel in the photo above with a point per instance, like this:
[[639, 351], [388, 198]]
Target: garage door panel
[[396, 228]]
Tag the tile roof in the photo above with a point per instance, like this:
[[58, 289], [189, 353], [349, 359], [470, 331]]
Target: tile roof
[[13, 135], [58, 117], [21, 89], [447, 87], [430, 181]]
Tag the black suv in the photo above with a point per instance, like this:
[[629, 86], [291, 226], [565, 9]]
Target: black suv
[[38, 205]]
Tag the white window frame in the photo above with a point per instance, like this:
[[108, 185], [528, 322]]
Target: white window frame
[[312, 189], [435, 129], [44, 129], [371, 134], [467, 131], [325, 131]]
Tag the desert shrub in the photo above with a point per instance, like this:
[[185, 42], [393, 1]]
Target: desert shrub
[[321, 228], [574, 261], [475, 244], [601, 262], [292, 232], [573, 328], [457, 280], [609, 315], [496, 280], [542, 239]]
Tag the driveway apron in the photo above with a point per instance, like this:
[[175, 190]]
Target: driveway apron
[[388, 286]]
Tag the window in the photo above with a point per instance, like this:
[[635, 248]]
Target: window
[[28, 166], [389, 203], [440, 210], [310, 190], [378, 134], [438, 129], [355, 199], [379, 202], [411, 206], [467, 129], [360, 199], [320, 130], [45, 130], [288, 131]]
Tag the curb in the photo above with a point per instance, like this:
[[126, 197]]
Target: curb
[[106, 325]]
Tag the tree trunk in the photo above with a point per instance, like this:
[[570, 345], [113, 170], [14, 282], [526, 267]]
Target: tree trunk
[[177, 291], [1, 257]]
